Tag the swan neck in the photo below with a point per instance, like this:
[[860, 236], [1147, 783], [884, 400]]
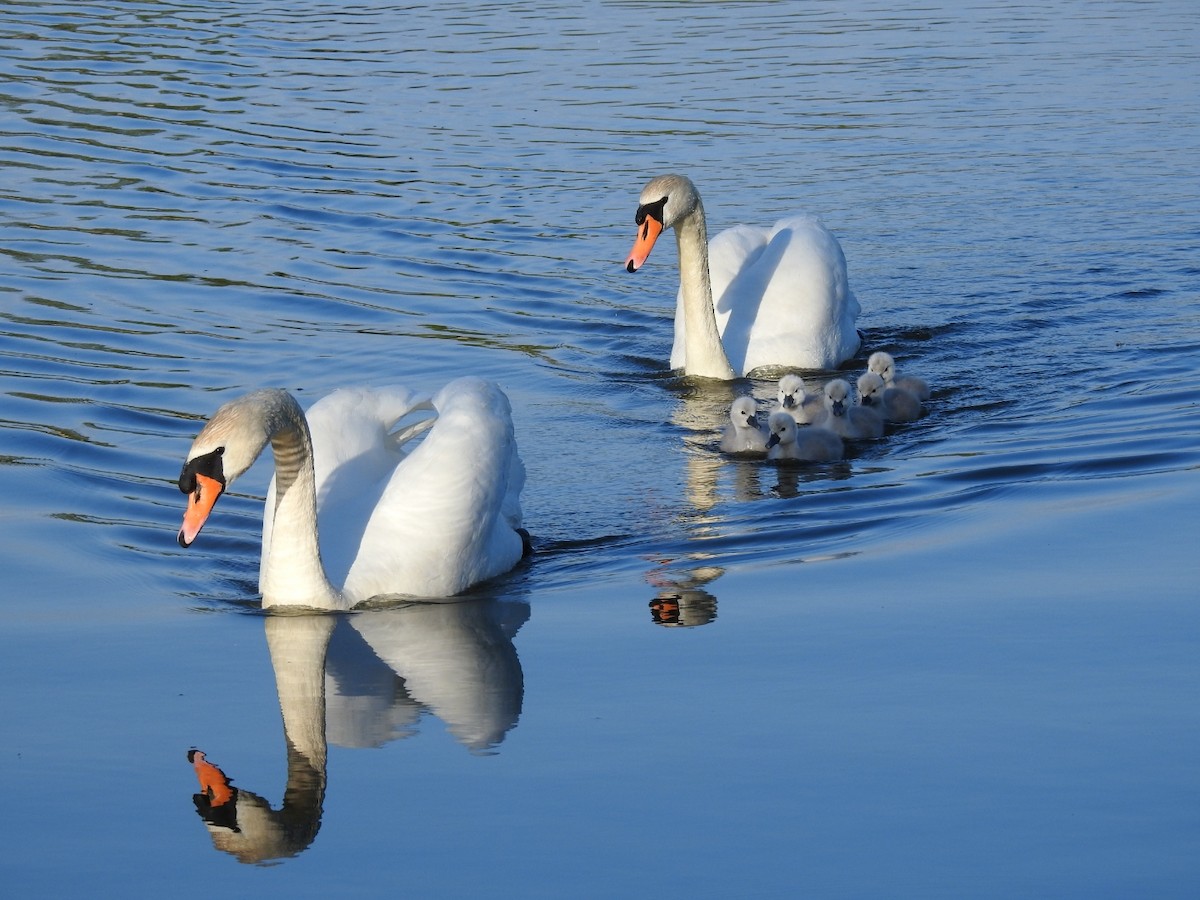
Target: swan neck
[[292, 572], [704, 355], [298, 646]]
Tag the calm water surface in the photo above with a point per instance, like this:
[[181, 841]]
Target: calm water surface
[[962, 663]]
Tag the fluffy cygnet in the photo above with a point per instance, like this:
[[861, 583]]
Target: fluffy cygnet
[[893, 403], [883, 365], [805, 408], [848, 419], [811, 443], [744, 434]]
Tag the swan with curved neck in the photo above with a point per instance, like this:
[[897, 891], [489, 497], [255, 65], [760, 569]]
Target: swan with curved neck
[[753, 297], [429, 523]]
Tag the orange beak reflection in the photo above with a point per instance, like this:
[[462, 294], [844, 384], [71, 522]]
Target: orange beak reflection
[[213, 782], [200, 504], [648, 233]]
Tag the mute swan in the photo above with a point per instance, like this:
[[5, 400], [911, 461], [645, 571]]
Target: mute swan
[[893, 403], [805, 408], [430, 523], [884, 366], [755, 296], [743, 434], [811, 443], [851, 421]]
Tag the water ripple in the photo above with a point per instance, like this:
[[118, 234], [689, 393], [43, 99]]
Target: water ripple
[[203, 200]]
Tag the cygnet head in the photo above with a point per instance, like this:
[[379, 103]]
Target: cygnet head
[[870, 388], [665, 200], [837, 395], [883, 365], [782, 427], [791, 391], [743, 412]]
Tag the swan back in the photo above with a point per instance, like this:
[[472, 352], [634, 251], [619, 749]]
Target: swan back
[[354, 457], [447, 517], [784, 300]]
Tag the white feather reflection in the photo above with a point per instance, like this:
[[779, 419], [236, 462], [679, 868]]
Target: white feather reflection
[[361, 681]]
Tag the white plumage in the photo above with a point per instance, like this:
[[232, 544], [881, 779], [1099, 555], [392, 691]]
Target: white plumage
[[754, 296], [429, 523]]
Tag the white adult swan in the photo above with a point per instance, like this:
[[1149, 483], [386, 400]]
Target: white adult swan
[[755, 296], [429, 523]]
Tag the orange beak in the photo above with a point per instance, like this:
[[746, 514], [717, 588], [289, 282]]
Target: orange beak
[[648, 233], [213, 782], [200, 504]]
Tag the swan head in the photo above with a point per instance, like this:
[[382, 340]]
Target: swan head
[[870, 388], [225, 448], [882, 365], [782, 427], [837, 394], [791, 391], [665, 201], [743, 412]]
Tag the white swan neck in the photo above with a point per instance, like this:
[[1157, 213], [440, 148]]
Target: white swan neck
[[292, 573], [704, 355]]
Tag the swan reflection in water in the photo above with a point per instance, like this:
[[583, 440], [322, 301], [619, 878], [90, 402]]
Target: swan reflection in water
[[682, 601], [363, 680]]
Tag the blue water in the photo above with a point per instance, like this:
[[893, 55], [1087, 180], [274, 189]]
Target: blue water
[[962, 663]]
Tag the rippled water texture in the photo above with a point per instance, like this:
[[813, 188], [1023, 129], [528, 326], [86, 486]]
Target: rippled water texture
[[961, 663]]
